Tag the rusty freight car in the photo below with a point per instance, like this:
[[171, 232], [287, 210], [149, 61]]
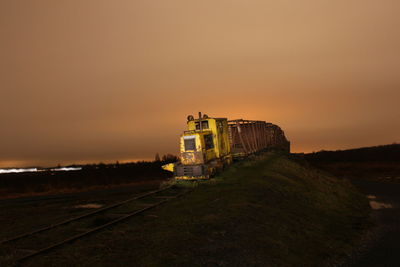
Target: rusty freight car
[[247, 137]]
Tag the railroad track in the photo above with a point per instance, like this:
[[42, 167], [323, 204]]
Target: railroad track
[[24, 246]]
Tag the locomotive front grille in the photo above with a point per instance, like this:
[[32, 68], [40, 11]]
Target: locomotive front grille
[[190, 170]]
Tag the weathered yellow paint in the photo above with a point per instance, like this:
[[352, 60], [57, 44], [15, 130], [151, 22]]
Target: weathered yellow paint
[[220, 132], [191, 178], [218, 127], [169, 167], [210, 158]]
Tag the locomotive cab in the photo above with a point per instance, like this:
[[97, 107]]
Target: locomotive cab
[[204, 147], [197, 147]]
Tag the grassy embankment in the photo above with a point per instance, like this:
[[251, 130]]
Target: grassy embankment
[[271, 211]]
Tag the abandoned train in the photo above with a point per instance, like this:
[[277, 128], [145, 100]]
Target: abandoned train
[[211, 143]]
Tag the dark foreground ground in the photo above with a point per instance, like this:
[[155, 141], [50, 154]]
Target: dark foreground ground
[[382, 248], [267, 211], [375, 171], [20, 215]]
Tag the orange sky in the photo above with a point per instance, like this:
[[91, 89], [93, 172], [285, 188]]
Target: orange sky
[[114, 80]]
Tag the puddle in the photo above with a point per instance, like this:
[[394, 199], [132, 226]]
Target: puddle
[[89, 206], [375, 205], [371, 197]]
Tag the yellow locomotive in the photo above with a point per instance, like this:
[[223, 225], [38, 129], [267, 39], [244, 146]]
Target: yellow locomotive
[[211, 143]]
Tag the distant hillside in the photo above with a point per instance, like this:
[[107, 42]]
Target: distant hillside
[[90, 177], [384, 153], [379, 163]]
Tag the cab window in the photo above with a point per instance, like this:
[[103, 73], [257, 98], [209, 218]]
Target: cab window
[[204, 125], [190, 143], [208, 141]]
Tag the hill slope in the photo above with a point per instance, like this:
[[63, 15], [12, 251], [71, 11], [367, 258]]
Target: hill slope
[[269, 211]]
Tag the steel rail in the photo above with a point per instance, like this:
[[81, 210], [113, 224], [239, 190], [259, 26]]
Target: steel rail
[[81, 216], [78, 236]]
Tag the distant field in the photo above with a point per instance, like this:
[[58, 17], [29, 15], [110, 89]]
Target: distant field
[[380, 163], [97, 176], [272, 210]]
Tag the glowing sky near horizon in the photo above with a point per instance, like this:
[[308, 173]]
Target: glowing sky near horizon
[[23, 170], [90, 81]]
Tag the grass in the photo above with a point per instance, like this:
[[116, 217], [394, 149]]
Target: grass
[[266, 211]]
